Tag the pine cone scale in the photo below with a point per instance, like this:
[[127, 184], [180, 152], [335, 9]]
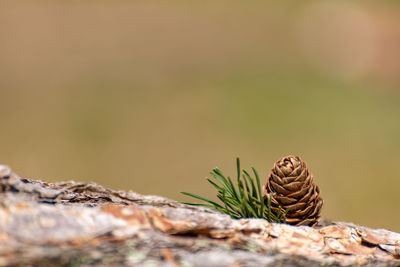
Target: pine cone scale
[[295, 186], [279, 188], [296, 171], [293, 221], [288, 179], [306, 211], [302, 176], [285, 200], [308, 196], [287, 171], [296, 207], [317, 209], [290, 187], [278, 171], [305, 222], [299, 194], [277, 179]]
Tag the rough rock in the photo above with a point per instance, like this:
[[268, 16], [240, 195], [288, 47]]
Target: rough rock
[[82, 224]]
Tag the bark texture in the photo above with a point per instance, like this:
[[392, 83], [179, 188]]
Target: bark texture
[[81, 224]]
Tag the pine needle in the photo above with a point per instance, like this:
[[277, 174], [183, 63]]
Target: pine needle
[[245, 200]]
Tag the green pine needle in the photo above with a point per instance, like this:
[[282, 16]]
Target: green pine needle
[[246, 200]]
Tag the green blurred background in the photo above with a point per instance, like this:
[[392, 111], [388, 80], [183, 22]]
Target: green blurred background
[[150, 96]]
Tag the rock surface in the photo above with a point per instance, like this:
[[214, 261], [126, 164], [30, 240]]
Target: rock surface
[[82, 224]]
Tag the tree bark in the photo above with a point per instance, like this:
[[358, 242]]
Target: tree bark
[[82, 224]]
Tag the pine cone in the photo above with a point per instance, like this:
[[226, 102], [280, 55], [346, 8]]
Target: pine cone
[[290, 186]]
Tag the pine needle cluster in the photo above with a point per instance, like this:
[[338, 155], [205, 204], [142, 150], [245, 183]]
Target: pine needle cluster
[[245, 200]]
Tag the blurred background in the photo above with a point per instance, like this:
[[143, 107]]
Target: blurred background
[[150, 96]]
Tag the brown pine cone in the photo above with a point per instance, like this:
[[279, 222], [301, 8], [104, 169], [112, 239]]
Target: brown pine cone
[[290, 186]]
